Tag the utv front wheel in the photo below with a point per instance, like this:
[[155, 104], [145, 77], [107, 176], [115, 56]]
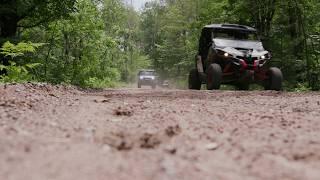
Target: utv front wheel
[[194, 80], [139, 85], [274, 81], [214, 77]]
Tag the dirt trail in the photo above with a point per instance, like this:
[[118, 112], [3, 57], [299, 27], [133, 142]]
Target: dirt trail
[[55, 132]]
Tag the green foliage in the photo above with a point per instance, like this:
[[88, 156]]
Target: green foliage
[[10, 50], [99, 83], [14, 73], [99, 43], [18, 72], [96, 46], [289, 29], [302, 88]]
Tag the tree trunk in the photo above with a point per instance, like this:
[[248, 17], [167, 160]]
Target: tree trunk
[[8, 28]]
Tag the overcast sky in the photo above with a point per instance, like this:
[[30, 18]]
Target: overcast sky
[[138, 4]]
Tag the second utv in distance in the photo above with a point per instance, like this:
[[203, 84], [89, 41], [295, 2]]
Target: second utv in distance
[[233, 54], [147, 78]]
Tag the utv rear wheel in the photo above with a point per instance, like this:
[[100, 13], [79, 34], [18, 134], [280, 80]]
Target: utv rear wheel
[[194, 80], [214, 77], [274, 81]]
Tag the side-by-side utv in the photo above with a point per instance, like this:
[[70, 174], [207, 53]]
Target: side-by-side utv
[[233, 54], [147, 78]]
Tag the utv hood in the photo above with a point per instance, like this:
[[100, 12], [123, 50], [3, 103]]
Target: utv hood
[[235, 52], [241, 44], [147, 77]]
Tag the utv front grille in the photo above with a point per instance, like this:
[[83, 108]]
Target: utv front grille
[[248, 60]]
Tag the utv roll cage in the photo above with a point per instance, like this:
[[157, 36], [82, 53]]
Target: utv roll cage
[[233, 54], [206, 37]]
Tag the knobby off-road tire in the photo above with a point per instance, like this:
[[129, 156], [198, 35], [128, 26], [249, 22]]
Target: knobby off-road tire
[[194, 80], [274, 82], [214, 78], [139, 85]]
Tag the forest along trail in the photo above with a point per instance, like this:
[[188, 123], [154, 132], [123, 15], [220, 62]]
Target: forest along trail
[[56, 132]]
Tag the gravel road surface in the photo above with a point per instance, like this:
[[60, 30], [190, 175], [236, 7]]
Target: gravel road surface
[[63, 133]]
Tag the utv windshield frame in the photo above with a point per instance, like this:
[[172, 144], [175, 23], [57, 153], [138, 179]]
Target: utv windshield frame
[[207, 35], [231, 34], [147, 73]]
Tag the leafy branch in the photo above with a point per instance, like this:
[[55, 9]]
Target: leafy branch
[[15, 72]]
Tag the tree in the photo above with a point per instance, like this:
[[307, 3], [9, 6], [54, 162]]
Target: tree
[[95, 46], [289, 29], [99, 42], [30, 13]]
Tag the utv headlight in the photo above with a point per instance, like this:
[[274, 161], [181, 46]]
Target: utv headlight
[[141, 78], [223, 53], [266, 56], [152, 78]]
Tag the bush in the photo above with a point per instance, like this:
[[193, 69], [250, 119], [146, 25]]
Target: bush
[[94, 82], [17, 71]]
